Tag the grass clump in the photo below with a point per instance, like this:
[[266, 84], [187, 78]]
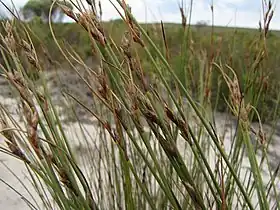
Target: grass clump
[[156, 142]]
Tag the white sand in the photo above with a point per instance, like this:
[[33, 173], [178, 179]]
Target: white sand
[[10, 200]]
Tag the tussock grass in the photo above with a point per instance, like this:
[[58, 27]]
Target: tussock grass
[[156, 141]]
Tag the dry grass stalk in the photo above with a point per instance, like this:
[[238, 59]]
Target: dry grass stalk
[[30, 53], [29, 110], [135, 32], [238, 106], [90, 23], [268, 17], [178, 122], [138, 78], [11, 141], [9, 39], [103, 89], [183, 17], [64, 178]]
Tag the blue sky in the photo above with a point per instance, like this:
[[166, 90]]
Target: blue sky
[[241, 13]]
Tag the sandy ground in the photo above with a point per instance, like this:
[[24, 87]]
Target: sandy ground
[[14, 199], [11, 200], [13, 172]]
